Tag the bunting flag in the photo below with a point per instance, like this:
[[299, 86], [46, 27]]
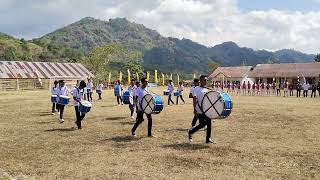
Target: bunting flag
[[109, 78], [120, 76], [156, 76], [194, 75], [148, 75], [129, 76], [162, 79], [171, 76], [137, 76], [178, 78]]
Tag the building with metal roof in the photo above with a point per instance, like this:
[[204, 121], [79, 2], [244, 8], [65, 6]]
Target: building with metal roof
[[224, 74]]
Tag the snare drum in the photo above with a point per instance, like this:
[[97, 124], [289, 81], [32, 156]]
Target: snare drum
[[85, 107], [54, 99], [64, 100], [177, 93], [216, 105], [127, 98], [166, 92], [158, 107]]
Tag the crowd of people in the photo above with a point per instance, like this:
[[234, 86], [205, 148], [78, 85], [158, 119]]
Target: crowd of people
[[284, 89]]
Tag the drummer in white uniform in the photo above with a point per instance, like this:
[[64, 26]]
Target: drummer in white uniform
[[54, 92], [198, 94], [195, 84], [180, 90], [132, 90], [170, 89], [62, 90], [140, 93], [77, 97]]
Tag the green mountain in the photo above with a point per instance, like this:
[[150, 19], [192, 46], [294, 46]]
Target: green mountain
[[168, 55]]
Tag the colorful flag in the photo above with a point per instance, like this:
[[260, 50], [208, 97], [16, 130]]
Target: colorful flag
[[109, 78], [120, 76], [129, 76], [162, 79], [148, 75], [178, 78], [156, 76], [171, 76]]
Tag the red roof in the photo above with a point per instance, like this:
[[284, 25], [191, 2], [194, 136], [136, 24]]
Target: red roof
[[43, 70]]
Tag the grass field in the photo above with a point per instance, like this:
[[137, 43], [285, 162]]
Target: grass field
[[264, 138]]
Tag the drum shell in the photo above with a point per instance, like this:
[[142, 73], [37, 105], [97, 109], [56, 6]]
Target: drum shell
[[98, 91], [166, 93], [158, 104], [117, 90], [126, 97], [177, 93], [84, 109], [54, 99], [64, 100], [228, 105], [224, 107]]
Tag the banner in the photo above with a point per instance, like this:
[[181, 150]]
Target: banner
[[162, 79], [109, 78], [129, 76], [120, 76], [148, 75], [156, 76]]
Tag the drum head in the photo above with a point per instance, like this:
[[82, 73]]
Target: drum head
[[86, 103], [147, 104], [212, 104]]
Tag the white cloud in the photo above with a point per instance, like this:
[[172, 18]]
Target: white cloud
[[208, 22]]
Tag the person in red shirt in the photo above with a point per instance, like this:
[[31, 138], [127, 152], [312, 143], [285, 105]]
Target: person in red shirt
[[238, 88], [244, 88], [291, 89], [253, 92], [258, 89], [274, 88], [285, 87], [222, 86], [268, 89], [249, 88], [233, 87], [263, 89], [228, 87]]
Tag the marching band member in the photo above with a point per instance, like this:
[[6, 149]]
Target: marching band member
[[298, 88], [274, 85], [77, 97], [268, 89], [62, 90], [313, 90], [263, 88], [253, 89], [119, 98], [100, 89], [195, 84], [238, 88], [278, 89], [305, 87], [140, 93], [89, 89], [291, 89], [198, 95], [180, 90], [171, 89], [132, 90], [54, 92], [249, 88]]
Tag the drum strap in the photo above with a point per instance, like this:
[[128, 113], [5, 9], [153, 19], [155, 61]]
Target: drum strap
[[212, 105]]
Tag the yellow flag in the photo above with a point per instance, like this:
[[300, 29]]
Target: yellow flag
[[178, 77], [129, 76], [148, 76], [137, 76], [120, 76], [171, 76], [162, 79], [156, 76], [109, 78], [194, 75]]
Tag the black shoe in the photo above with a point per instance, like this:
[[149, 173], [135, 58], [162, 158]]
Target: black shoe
[[189, 136], [133, 134], [209, 141]]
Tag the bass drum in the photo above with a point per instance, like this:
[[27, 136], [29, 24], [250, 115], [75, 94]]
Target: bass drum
[[147, 104], [216, 105]]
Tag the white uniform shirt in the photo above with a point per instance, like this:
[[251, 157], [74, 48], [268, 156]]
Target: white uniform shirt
[[100, 87], [141, 92], [170, 88], [199, 93], [305, 86], [54, 90], [132, 90], [76, 92], [90, 86], [180, 89], [62, 91]]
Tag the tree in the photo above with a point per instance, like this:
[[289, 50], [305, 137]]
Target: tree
[[212, 66], [133, 63], [317, 58]]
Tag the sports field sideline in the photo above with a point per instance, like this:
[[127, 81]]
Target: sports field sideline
[[264, 138]]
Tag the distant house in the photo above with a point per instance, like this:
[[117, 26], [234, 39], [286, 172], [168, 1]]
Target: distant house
[[289, 71], [231, 74], [29, 75]]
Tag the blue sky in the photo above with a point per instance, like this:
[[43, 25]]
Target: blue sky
[[289, 5], [258, 24]]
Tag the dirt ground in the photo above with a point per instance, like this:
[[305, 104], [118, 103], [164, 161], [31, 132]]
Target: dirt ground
[[264, 138]]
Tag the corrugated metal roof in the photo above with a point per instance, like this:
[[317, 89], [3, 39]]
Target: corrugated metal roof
[[286, 70], [232, 72], [44, 70]]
